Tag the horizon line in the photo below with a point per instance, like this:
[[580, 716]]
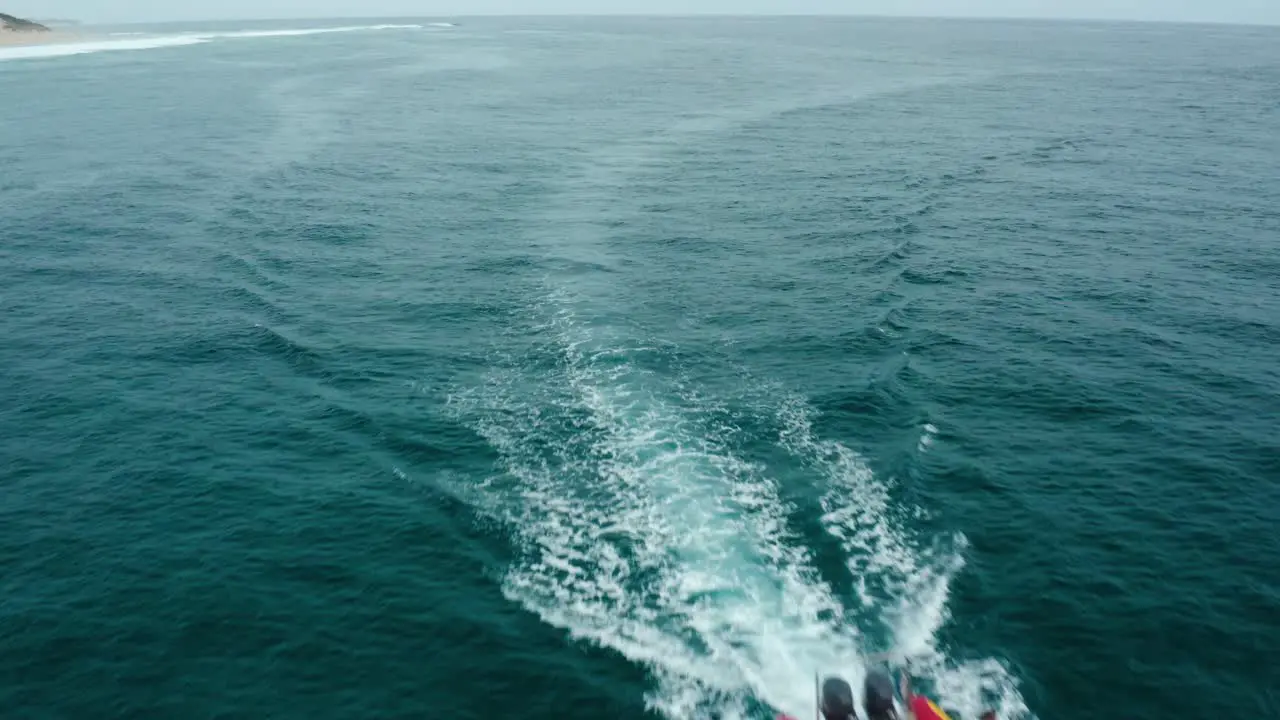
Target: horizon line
[[712, 14]]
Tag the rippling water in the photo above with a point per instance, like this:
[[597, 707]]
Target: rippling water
[[611, 367]]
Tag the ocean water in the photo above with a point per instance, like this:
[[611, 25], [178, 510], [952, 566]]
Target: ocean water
[[635, 368]]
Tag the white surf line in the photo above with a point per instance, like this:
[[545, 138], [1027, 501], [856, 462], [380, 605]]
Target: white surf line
[[304, 31], [61, 49], [131, 41]]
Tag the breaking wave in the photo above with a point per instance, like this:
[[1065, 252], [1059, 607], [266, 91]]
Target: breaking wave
[[83, 48], [137, 41]]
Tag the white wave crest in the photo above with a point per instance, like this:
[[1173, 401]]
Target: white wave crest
[[135, 41], [304, 31], [80, 48], [929, 434]]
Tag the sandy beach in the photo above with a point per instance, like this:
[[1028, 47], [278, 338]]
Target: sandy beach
[[12, 38]]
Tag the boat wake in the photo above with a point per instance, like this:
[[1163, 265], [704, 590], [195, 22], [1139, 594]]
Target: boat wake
[[641, 526]]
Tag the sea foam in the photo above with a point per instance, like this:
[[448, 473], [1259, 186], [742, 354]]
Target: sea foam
[[138, 41]]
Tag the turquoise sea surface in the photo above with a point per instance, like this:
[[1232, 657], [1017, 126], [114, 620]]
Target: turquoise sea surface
[[639, 368]]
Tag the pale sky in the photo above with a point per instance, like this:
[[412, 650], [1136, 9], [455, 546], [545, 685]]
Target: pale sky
[[1237, 11]]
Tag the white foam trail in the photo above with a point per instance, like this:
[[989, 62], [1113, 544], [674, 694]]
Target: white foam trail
[[645, 534], [906, 583], [441, 25], [59, 49]]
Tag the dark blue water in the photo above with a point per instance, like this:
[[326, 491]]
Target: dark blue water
[[602, 368]]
